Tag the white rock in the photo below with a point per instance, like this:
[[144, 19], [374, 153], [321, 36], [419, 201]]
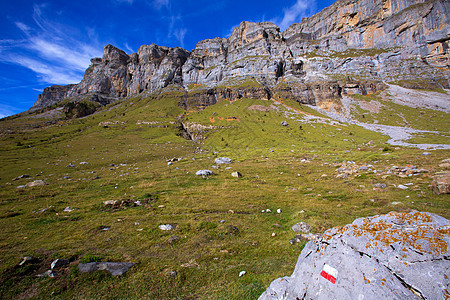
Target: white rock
[[165, 227], [392, 256], [242, 273]]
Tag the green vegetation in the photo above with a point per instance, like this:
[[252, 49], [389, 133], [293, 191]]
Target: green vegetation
[[120, 153], [390, 113]]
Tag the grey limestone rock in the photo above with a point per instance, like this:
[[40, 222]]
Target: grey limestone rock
[[392, 256], [312, 62], [301, 227], [222, 160], [203, 173], [59, 263], [115, 268]]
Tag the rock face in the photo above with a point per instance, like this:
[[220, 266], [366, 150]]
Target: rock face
[[353, 46], [393, 256]]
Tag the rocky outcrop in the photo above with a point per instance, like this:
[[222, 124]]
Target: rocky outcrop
[[353, 46], [393, 256], [51, 95]]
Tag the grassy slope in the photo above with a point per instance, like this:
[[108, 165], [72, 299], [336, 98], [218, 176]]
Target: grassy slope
[[210, 254]]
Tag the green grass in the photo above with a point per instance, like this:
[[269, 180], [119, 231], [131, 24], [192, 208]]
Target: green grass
[[394, 114], [127, 161]]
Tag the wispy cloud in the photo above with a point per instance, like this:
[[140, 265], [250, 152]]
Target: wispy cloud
[[50, 50], [295, 13], [161, 3], [179, 33], [128, 48], [7, 110]]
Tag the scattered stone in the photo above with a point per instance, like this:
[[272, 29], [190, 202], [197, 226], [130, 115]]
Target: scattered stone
[[284, 123], [115, 268], [35, 183], [395, 203], [165, 227], [110, 202], [48, 273], [23, 176], [204, 173], [378, 257], [83, 163], [173, 274], [380, 185], [274, 234], [304, 236], [301, 227], [426, 153], [174, 239], [71, 165], [441, 183], [68, 209], [268, 210], [242, 273], [278, 211], [170, 163], [20, 187], [236, 174], [222, 221], [27, 260], [59, 263], [105, 228], [222, 160], [401, 186]]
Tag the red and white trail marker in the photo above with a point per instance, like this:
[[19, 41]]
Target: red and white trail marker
[[329, 273]]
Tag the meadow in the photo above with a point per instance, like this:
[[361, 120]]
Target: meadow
[[133, 152]]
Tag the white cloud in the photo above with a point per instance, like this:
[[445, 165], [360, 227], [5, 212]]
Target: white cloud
[[50, 50], [46, 73], [128, 48], [179, 34], [7, 110], [161, 3], [295, 13], [25, 28]]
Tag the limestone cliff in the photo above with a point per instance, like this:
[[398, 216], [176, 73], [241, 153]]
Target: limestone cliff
[[353, 46]]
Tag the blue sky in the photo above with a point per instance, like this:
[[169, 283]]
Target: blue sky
[[51, 42]]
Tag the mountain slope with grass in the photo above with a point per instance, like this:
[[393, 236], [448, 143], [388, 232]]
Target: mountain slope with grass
[[111, 178], [323, 124]]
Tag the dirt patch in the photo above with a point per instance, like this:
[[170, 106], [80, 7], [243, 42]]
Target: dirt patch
[[372, 106], [262, 108]]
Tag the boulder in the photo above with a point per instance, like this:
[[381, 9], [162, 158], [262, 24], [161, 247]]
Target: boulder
[[392, 256], [203, 172], [59, 263], [222, 160], [115, 268], [35, 183], [441, 183], [236, 174], [301, 227], [165, 227]]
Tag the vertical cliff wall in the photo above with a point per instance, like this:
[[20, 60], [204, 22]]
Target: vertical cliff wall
[[351, 46]]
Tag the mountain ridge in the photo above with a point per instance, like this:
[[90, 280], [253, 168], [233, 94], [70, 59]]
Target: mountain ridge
[[349, 47]]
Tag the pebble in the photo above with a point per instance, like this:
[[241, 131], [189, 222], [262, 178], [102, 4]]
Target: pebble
[[242, 273]]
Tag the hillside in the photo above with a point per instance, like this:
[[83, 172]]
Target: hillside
[[325, 122]]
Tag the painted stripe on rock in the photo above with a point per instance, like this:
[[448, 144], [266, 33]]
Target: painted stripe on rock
[[329, 273]]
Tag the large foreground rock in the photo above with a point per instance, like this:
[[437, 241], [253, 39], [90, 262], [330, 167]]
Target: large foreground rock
[[392, 256]]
